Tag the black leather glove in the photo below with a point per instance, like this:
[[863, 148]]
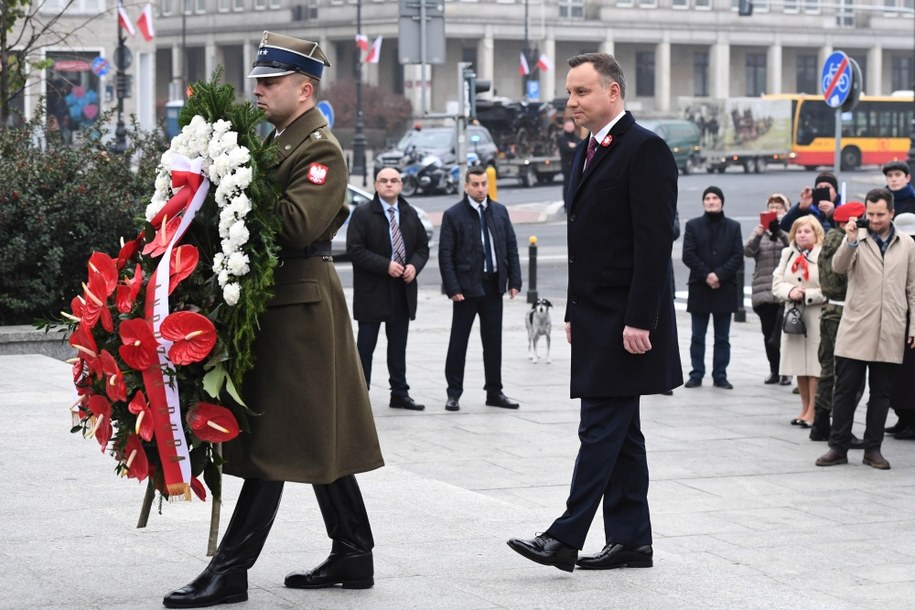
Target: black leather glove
[[773, 230]]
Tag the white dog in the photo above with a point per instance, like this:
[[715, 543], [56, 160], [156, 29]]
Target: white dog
[[538, 324]]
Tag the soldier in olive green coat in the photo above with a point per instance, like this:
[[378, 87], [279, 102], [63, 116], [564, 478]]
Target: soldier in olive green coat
[[315, 421]]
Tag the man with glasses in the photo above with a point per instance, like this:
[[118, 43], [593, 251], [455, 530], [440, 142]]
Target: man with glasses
[[388, 247]]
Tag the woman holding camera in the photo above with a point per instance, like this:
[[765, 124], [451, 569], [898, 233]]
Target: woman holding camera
[[765, 247], [796, 281]]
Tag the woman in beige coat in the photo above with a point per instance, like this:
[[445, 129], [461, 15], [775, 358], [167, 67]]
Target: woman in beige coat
[[796, 280]]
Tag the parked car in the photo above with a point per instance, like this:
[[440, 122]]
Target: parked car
[[356, 196], [683, 139], [439, 141]]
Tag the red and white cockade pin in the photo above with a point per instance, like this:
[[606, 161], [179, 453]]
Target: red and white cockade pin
[[606, 141], [317, 173]]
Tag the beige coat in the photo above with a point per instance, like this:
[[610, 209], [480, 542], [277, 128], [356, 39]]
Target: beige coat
[[880, 291], [316, 424], [799, 353]]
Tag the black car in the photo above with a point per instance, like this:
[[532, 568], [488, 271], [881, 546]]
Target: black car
[[439, 141]]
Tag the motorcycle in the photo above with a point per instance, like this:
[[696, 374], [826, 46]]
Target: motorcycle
[[428, 175]]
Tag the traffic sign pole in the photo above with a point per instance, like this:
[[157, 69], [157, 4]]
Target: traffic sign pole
[[837, 160]]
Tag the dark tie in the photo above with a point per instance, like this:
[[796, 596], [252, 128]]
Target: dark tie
[[487, 244], [400, 253], [592, 148]]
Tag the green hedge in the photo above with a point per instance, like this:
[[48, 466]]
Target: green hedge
[[60, 202]]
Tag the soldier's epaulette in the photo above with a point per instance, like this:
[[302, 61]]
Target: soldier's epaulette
[[317, 135]]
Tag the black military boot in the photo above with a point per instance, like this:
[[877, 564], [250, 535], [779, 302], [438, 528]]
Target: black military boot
[[350, 562], [821, 428], [225, 580]]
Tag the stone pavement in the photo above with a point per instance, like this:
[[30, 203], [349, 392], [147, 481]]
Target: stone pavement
[[742, 517]]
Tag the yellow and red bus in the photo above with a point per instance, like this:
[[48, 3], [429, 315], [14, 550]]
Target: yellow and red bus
[[876, 131]]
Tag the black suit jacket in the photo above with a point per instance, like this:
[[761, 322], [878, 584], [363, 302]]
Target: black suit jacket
[[460, 249], [368, 245], [713, 246], [620, 234]]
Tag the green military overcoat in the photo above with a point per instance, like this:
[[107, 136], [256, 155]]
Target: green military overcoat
[[316, 422]]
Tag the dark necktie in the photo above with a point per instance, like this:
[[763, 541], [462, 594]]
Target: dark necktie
[[400, 253], [487, 244], [592, 148]]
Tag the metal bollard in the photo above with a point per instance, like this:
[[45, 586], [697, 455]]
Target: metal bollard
[[741, 314], [532, 270]]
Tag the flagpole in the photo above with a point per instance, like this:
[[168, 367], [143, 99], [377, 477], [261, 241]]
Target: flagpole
[[527, 54], [120, 131], [358, 166]]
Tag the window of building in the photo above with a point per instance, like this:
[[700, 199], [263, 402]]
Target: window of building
[[200, 6], [260, 5], [902, 73], [77, 7], [276, 3], [791, 6], [625, 3], [238, 5], [572, 9], [681, 4], [756, 74], [703, 4], [811, 7], [644, 74], [72, 89], [165, 7], [223, 6], [760, 6], [700, 73], [808, 74], [648, 3], [311, 12], [845, 14]]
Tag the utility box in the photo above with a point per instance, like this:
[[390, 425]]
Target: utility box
[[172, 110]]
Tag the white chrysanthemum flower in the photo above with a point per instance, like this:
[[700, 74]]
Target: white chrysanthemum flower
[[223, 278], [243, 176], [240, 205], [218, 262], [220, 127], [237, 264], [238, 235], [231, 293], [226, 220], [239, 156]]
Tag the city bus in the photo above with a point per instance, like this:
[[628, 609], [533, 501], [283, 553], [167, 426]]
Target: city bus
[[876, 131]]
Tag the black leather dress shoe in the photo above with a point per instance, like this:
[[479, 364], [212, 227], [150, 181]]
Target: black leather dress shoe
[[832, 458], [856, 443], [692, 383], [905, 434], [500, 400], [773, 378], [349, 570], [547, 551], [618, 556], [724, 384], [452, 404], [405, 402], [210, 589]]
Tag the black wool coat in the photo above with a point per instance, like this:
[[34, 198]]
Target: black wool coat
[[460, 249], [620, 234], [368, 246], [713, 246]]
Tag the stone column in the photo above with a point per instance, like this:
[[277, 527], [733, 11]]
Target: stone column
[[548, 78], [823, 54], [874, 71], [720, 68], [486, 47], [774, 67], [662, 76]]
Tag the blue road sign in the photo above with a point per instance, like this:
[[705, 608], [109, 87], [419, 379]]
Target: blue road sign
[[327, 110], [533, 90], [100, 66], [836, 79]]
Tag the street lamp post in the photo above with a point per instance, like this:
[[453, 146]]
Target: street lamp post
[[121, 64], [358, 166]]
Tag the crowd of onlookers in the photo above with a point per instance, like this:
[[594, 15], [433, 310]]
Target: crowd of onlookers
[[833, 287]]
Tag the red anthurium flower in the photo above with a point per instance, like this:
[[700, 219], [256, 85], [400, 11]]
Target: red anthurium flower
[[101, 410], [163, 237], [184, 260], [140, 408], [212, 423], [198, 489], [103, 274], [129, 289], [193, 335], [114, 380], [139, 349], [78, 307], [134, 458], [128, 250], [83, 341]]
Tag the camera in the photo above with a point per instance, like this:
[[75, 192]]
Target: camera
[[862, 223]]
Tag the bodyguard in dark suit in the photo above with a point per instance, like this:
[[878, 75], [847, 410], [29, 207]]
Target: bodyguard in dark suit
[[478, 258], [619, 317], [388, 247], [713, 251]]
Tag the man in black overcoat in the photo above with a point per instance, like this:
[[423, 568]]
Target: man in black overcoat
[[619, 317], [388, 247], [478, 259]]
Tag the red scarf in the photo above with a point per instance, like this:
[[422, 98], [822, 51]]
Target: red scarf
[[801, 262]]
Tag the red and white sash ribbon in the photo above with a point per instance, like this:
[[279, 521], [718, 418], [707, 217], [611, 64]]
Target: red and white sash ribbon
[[160, 381]]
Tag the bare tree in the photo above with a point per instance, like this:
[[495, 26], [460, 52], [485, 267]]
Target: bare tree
[[26, 27]]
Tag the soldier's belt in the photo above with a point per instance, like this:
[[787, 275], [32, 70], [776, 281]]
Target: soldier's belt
[[315, 248]]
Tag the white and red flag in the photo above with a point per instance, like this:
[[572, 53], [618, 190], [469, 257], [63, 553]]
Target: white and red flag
[[362, 42], [375, 52], [544, 63], [523, 68], [124, 20], [145, 23]]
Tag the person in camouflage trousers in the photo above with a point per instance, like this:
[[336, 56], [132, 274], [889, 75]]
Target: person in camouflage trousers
[[833, 285]]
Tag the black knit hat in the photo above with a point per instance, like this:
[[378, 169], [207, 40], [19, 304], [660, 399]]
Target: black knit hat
[[901, 166], [827, 177], [713, 189]]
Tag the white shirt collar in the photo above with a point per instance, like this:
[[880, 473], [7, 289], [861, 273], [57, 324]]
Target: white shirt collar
[[600, 135]]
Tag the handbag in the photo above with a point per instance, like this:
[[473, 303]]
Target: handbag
[[793, 323]]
